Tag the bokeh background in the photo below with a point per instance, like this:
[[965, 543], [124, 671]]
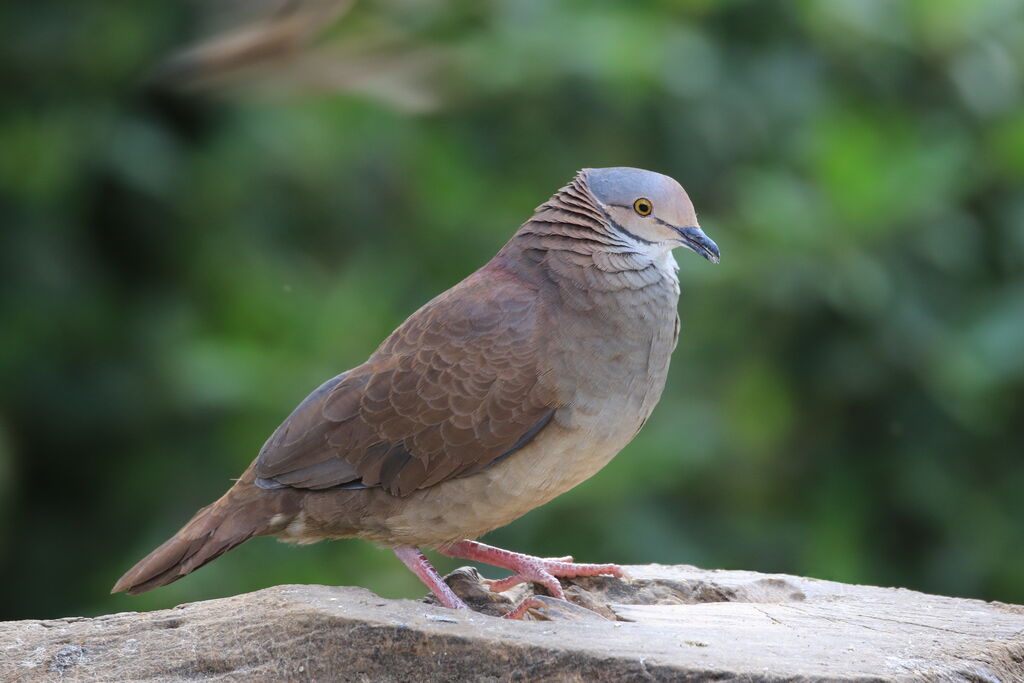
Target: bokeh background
[[178, 268]]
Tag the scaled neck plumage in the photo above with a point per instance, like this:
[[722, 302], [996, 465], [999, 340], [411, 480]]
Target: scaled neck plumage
[[572, 230]]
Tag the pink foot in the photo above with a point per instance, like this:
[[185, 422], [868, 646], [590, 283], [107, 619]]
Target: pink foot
[[527, 568]]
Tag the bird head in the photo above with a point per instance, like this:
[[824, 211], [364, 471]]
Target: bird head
[[649, 208]]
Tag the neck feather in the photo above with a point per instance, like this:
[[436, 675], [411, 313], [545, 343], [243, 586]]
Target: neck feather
[[572, 240], [573, 220]]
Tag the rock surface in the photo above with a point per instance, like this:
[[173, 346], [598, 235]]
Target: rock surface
[[668, 623]]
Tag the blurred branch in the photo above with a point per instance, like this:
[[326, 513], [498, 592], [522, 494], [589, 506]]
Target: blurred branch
[[276, 53]]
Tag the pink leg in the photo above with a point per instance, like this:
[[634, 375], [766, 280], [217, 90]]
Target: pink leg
[[421, 567], [526, 567]]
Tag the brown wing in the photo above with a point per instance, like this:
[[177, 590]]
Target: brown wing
[[458, 386]]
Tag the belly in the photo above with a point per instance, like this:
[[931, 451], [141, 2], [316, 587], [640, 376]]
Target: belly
[[469, 507]]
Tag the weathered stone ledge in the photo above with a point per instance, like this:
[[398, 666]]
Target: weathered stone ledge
[[669, 623]]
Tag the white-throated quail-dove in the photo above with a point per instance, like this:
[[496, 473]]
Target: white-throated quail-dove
[[510, 388]]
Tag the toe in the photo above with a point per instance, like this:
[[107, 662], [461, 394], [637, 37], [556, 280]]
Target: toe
[[502, 585], [520, 610], [552, 585]]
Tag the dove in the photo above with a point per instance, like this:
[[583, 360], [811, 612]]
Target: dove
[[498, 395]]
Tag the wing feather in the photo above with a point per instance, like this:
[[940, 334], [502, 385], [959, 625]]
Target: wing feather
[[458, 386]]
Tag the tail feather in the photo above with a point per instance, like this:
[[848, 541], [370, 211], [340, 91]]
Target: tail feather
[[214, 530]]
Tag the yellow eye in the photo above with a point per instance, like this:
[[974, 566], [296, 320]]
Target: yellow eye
[[643, 206]]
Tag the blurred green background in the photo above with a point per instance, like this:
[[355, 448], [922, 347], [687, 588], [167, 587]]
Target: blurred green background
[[177, 271]]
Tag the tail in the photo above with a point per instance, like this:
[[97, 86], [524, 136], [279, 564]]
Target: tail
[[237, 516]]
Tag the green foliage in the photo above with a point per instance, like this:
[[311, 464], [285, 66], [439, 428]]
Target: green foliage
[[846, 398]]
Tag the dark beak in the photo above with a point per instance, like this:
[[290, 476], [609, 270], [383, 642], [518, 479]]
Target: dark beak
[[695, 239]]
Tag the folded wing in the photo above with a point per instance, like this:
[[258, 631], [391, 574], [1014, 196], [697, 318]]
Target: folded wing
[[457, 387]]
